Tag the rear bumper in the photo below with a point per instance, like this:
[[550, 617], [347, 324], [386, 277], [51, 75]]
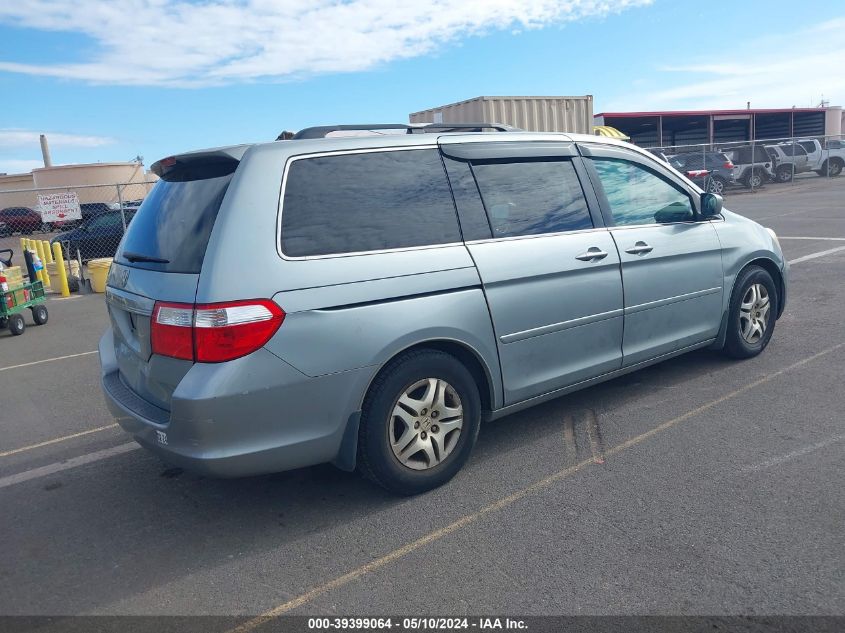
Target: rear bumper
[[250, 416]]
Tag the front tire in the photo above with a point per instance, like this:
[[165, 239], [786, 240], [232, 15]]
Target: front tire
[[784, 173], [16, 324], [419, 422], [752, 313], [754, 179]]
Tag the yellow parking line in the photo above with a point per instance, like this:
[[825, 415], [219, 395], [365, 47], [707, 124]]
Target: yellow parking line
[[411, 547], [23, 449]]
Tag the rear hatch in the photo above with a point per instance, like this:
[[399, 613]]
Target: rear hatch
[[159, 260]]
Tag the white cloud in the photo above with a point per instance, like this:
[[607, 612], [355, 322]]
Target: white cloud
[[18, 166], [24, 138], [776, 71], [181, 43]]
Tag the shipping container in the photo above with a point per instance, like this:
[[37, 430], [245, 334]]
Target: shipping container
[[535, 114]]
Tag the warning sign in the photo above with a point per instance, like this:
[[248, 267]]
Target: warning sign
[[59, 206]]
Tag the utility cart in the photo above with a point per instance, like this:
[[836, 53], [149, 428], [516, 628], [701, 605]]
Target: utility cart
[[14, 301]]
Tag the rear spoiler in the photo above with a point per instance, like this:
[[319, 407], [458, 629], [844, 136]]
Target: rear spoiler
[[223, 156]]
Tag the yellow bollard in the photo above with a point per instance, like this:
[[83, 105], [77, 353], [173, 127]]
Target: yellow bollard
[[47, 251], [60, 269], [45, 278]]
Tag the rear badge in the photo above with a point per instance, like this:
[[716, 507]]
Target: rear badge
[[161, 436]]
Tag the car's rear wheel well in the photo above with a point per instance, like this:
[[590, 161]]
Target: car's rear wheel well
[[467, 357]]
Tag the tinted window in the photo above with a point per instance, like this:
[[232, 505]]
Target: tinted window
[[693, 161], [637, 195], [809, 146], [365, 202], [175, 221], [474, 224], [531, 197], [108, 220]]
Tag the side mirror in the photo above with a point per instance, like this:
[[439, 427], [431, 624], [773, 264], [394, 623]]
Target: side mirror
[[711, 205]]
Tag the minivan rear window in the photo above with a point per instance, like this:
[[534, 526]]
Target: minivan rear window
[[171, 229], [352, 203]]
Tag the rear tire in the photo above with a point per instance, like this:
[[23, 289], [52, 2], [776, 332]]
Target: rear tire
[[16, 324], [752, 313], [835, 167], [419, 422], [40, 314]]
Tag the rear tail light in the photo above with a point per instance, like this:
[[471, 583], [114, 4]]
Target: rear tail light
[[728, 165], [213, 332]]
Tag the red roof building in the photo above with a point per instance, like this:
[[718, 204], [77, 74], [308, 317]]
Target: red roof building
[[690, 127]]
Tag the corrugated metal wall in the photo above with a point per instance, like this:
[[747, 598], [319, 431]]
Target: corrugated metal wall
[[536, 114]]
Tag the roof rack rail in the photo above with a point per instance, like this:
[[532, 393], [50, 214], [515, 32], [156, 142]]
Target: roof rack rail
[[322, 131]]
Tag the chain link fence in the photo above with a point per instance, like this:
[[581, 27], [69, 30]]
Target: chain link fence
[[723, 167], [88, 221]]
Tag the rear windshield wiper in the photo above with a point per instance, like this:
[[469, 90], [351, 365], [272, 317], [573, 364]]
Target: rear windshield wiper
[[137, 257]]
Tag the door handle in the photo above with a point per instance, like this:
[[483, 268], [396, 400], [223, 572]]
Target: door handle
[[592, 254], [640, 248]]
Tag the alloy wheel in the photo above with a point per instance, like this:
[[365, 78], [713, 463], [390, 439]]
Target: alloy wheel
[[425, 424], [754, 313]]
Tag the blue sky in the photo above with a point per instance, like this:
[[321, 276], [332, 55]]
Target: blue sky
[[109, 80]]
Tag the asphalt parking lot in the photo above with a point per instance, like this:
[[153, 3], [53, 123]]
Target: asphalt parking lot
[[698, 486]]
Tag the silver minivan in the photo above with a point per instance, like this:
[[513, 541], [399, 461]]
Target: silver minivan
[[368, 300]]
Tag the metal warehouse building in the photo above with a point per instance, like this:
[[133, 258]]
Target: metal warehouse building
[[650, 129], [538, 114]]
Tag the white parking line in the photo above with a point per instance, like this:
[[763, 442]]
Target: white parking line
[[47, 360], [774, 461], [823, 239], [815, 255], [56, 440], [58, 467]]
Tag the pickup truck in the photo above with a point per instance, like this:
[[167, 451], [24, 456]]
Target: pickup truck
[[825, 161]]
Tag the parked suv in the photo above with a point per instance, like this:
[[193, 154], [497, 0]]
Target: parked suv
[[720, 170], [404, 287], [752, 165], [788, 159]]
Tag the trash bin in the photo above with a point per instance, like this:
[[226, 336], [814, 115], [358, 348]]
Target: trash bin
[[98, 271], [71, 270]]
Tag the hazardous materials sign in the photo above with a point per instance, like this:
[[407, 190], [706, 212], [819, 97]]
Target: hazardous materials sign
[[59, 206]]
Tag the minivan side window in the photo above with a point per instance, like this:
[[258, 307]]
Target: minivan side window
[[351, 203], [532, 197], [637, 195]]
